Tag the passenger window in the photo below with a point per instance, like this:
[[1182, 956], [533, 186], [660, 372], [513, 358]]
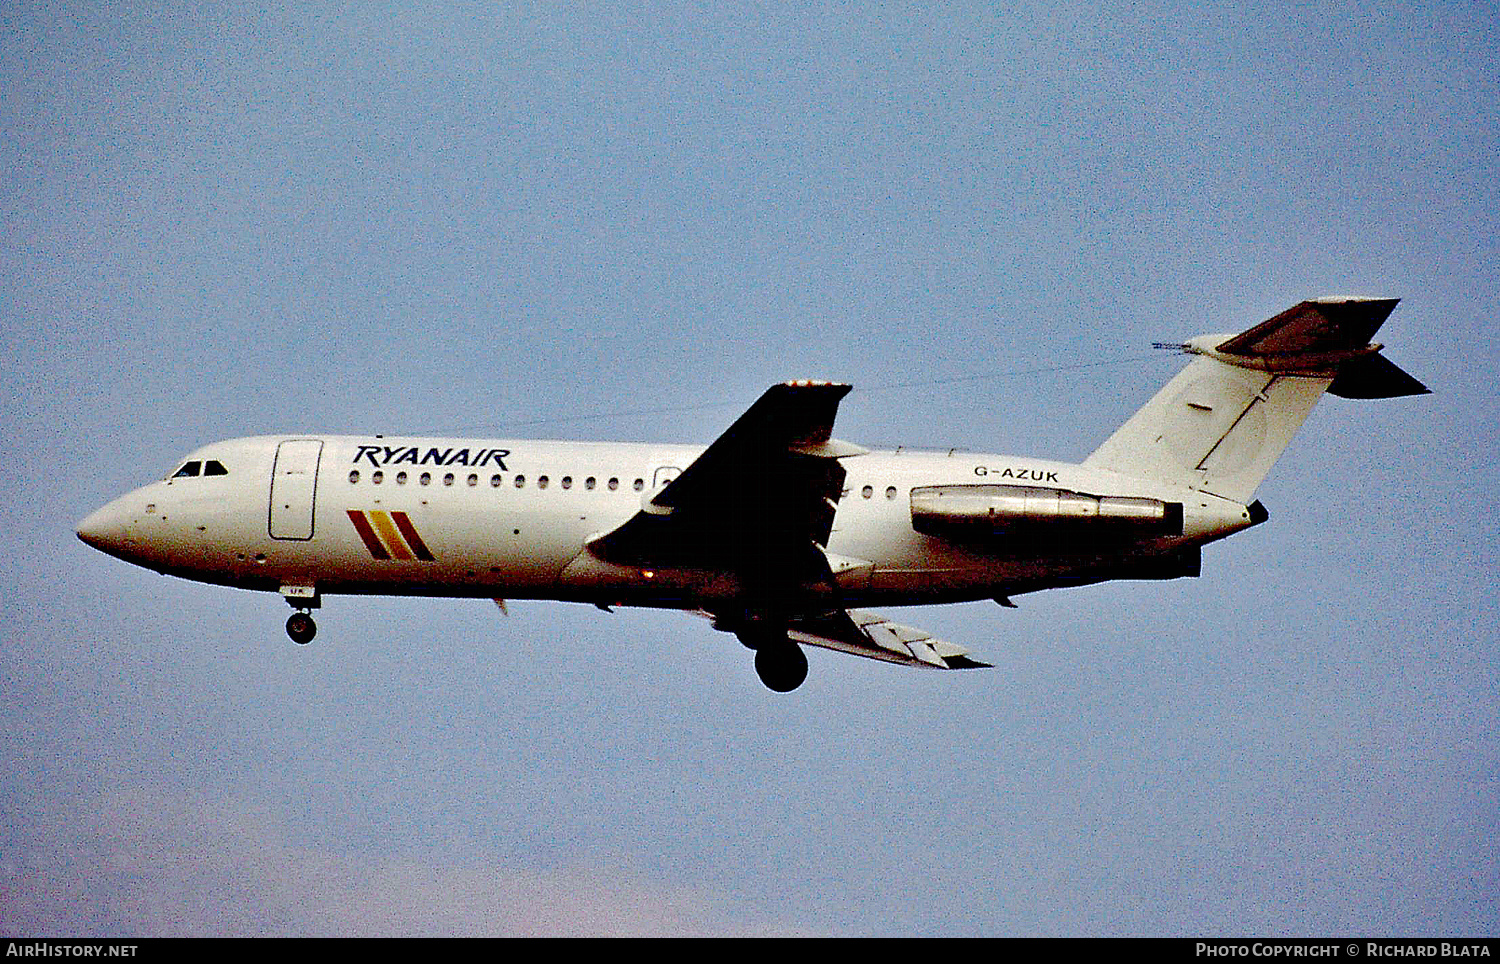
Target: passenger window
[[890, 492], [541, 481], [567, 481], [520, 481], [448, 479], [426, 478], [354, 476], [473, 481], [638, 484], [588, 483], [614, 484], [188, 471], [494, 481], [377, 476], [214, 467], [867, 491], [400, 478]]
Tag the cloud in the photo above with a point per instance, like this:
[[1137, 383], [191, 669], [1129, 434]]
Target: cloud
[[154, 865]]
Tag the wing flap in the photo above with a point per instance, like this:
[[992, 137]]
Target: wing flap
[[867, 634]]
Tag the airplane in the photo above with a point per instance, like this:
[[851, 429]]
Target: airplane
[[777, 532]]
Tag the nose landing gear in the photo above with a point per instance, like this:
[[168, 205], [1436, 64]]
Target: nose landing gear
[[299, 625], [301, 628]]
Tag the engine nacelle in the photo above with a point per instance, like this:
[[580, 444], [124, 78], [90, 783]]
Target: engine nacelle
[[978, 510]]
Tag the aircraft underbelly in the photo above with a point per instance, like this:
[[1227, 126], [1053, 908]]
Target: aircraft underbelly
[[922, 566]]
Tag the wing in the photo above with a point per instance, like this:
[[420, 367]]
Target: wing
[[759, 502], [866, 634]]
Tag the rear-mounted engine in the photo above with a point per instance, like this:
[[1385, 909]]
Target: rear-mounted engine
[[979, 510]]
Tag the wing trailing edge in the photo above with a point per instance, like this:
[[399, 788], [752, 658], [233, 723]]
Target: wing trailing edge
[[868, 634]]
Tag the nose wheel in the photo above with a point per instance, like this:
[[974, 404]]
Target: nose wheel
[[301, 628], [302, 596]]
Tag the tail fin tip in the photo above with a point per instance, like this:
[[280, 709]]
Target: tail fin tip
[[1221, 423]]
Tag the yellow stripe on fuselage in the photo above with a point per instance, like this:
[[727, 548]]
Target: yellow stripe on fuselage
[[389, 535]]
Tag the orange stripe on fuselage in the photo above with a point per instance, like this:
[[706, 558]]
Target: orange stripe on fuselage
[[390, 536]]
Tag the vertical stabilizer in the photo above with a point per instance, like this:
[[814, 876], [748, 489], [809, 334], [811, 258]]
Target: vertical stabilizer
[[1222, 422]]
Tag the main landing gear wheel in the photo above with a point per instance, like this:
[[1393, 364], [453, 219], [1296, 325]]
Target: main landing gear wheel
[[301, 628], [781, 666]]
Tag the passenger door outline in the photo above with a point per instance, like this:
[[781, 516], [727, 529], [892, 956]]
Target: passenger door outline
[[294, 489]]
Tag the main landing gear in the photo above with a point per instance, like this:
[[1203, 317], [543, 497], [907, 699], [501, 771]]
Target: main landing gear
[[779, 662], [301, 628], [781, 667]]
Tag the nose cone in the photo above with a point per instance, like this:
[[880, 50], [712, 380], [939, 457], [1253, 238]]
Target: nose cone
[[104, 529]]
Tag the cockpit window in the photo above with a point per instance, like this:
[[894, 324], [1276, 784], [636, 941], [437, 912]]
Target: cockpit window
[[197, 467]]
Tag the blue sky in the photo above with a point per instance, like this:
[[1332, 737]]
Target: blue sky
[[625, 222]]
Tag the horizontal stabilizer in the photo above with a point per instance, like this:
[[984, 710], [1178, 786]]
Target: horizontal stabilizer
[[1374, 376], [1316, 327]]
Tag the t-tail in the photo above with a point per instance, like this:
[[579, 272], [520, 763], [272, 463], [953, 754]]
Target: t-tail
[[1221, 424]]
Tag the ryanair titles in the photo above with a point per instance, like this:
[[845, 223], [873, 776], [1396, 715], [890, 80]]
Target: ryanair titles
[[381, 455]]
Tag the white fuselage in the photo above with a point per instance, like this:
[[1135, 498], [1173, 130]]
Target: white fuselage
[[778, 532], [498, 518]]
